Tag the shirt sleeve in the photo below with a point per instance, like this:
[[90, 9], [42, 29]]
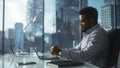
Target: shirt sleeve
[[97, 43]]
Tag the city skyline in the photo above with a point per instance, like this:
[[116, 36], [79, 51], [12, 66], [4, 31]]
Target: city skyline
[[16, 12]]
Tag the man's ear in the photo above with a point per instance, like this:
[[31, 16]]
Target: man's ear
[[92, 20]]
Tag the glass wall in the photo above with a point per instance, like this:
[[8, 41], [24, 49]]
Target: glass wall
[[108, 13], [33, 26], [1, 18], [105, 11], [61, 24], [23, 33], [1, 10]]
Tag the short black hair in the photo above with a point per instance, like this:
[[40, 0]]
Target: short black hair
[[90, 12]]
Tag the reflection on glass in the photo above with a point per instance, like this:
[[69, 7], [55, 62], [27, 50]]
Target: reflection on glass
[[108, 12], [62, 23], [61, 26], [1, 17]]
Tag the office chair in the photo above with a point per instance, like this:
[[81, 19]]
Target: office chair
[[114, 48]]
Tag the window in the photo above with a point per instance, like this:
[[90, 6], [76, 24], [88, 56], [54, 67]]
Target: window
[[62, 23], [1, 18], [33, 26]]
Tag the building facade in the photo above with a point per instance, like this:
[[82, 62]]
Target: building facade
[[107, 16], [67, 22], [35, 16], [115, 10], [67, 16], [10, 40], [19, 37]]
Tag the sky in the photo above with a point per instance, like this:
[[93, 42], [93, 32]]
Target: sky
[[96, 4], [16, 12]]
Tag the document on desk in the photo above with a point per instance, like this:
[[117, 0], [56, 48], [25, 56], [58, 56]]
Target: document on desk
[[63, 63]]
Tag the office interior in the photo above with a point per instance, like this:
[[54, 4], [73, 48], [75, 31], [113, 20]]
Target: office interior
[[28, 28]]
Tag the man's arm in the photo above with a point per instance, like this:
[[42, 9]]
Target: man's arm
[[98, 43], [55, 50]]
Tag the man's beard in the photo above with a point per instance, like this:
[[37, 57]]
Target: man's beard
[[82, 30]]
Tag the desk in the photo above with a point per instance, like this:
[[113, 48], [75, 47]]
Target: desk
[[10, 61], [61, 60]]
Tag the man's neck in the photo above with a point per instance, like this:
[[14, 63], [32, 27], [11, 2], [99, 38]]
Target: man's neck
[[90, 27]]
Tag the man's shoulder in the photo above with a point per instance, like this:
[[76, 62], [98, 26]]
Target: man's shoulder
[[99, 31]]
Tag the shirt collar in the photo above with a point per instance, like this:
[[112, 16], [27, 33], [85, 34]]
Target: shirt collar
[[91, 29]]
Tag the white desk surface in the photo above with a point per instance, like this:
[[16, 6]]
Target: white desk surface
[[11, 61]]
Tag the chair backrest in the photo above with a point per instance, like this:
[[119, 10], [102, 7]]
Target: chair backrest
[[114, 48]]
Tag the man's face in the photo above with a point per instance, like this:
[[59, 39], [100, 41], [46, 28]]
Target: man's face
[[84, 23]]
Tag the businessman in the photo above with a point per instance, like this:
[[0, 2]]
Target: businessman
[[93, 47]]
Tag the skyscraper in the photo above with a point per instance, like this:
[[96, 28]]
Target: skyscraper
[[19, 36], [67, 16], [116, 14], [67, 22], [109, 1], [107, 16], [10, 40], [10, 33], [35, 9]]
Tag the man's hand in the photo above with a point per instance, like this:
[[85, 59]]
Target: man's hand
[[55, 50]]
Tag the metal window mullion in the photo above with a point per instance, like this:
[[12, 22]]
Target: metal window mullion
[[115, 18], [43, 30], [3, 21]]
